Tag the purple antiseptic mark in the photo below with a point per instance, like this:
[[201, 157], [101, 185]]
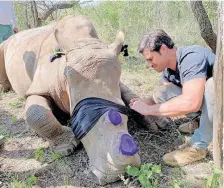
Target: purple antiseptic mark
[[128, 146], [114, 117]]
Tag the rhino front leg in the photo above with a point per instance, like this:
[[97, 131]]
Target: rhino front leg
[[40, 117], [150, 122]]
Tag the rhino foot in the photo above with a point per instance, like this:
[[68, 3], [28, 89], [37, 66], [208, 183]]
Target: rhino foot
[[65, 143], [153, 123], [162, 122]]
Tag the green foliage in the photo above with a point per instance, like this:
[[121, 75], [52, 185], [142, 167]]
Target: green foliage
[[46, 156], [173, 182], [20, 12], [17, 184], [135, 18], [55, 156], [14, 119], [2, 136], [211, 7], [5, 133], [39, 154], [27, 183], [32, 180], [147, 174], [177, 179], [17, 104], [214, 179], [65, 181]]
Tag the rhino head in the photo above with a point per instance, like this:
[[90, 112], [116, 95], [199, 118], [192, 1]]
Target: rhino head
[[92, 69], [110, 148]]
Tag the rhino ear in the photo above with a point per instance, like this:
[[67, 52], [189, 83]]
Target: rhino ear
[[118, 43], [62, 41]]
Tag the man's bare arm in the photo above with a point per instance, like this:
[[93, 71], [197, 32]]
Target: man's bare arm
[[189, 101]]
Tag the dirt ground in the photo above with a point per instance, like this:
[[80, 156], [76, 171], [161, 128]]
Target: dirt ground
[[24, 154]]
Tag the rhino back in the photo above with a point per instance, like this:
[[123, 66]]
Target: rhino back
[[27, 58], [22, 53]]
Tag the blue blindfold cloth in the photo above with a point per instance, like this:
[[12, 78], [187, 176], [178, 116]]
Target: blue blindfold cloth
[[88, 111]]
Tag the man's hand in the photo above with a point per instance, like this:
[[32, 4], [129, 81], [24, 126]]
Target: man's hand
[[15, 29], [133, 100], [146, 100], [139, 106]]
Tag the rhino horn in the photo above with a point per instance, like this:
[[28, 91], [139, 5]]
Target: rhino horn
[[117, 44]]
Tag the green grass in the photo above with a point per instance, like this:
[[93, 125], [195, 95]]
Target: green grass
[[138, 77], [17, 104], [24, 183], [5, 133]]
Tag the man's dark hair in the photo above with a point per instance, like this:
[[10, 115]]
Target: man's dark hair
[[154, 40]]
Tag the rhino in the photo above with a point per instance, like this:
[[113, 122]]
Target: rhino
[[64, 69]]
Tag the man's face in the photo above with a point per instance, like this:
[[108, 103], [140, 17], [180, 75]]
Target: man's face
[[156, 60]]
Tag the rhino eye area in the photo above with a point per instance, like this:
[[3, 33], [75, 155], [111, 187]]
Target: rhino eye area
[[114, 117], [128, 146]]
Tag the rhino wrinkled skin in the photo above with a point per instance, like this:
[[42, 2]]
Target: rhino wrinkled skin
[[89, 68]]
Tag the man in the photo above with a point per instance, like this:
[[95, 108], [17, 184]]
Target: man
[[188, 88], [7, 20]]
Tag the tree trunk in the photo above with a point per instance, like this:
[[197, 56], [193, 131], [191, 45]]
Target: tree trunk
[[218, 141], [37, 21], [205, 25]]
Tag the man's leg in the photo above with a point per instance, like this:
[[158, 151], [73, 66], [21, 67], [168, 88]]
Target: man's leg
[[167, 92], [196, 149], [203, 136]]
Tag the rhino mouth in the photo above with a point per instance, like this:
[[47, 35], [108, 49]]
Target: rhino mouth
[[102, 178], [111, 172], [88, 111], [106, 169]]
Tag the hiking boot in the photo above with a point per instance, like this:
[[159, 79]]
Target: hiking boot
[[186, 154], [189, 127]]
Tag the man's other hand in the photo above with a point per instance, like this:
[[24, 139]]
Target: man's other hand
[[15, 29], [139, 106]]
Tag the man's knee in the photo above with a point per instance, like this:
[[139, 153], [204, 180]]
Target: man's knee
[[166, 92], [209, 87], [159, 94], [209, 92]]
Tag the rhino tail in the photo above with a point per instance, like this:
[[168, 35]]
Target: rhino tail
[[4, 82]]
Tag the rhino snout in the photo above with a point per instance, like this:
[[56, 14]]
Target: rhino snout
[[107, 168], [110, 148], [102, 178]]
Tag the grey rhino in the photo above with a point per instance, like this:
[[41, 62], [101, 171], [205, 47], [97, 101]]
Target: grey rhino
[[88, 68]]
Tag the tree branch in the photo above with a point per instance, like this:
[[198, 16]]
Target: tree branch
[[51, 9], [205, 25]]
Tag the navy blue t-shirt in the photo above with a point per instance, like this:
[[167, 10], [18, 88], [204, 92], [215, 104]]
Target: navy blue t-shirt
[[192, 62]]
